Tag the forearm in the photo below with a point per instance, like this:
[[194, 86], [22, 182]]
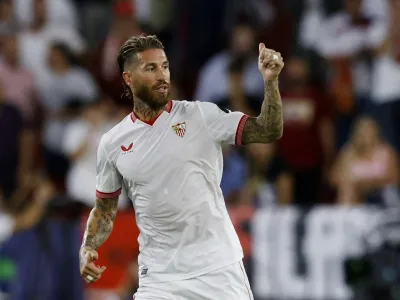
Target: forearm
[[100, 222], [268, 126]]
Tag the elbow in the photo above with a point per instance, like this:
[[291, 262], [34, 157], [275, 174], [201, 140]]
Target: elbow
[[275, 135], [279, 134]]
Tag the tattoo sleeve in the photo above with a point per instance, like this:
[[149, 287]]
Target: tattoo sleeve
[[268, 126], [100, 222]]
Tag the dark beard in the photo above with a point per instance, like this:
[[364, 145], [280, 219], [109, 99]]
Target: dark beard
[[153, 101]]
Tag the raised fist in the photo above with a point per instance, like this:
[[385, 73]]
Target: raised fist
[[270, 63]]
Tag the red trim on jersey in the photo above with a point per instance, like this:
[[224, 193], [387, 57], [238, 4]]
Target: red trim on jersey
[[108, 195], [239, 130], [168, 109]]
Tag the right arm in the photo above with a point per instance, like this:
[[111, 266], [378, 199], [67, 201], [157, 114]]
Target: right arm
[[100, 222], [101, 219], [98, 228]]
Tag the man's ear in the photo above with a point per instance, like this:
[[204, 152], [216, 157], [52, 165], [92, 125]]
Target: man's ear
[[127, 76]]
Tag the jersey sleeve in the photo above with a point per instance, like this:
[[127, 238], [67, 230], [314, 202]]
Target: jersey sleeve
[[224, 126], [108, 180]]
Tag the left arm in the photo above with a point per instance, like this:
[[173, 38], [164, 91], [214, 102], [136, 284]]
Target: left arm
[[268, 126]]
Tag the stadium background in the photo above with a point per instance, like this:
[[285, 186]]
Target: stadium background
[[316, 212]]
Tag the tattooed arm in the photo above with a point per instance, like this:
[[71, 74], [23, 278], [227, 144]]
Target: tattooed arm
[[98, 229], [268, 126], [100, 222]]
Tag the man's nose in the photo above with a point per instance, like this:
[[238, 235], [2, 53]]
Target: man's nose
[[161, 75]]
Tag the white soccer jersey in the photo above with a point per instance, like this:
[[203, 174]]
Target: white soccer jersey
[[172, 169]]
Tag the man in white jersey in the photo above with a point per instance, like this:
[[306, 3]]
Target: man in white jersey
[[168, 155]]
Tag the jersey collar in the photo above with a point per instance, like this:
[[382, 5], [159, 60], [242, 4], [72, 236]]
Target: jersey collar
[[168, 109]]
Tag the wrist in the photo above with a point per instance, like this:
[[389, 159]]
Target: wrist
[[269, 80], [86, 247]]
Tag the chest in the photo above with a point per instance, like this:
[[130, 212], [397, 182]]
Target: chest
[[162, 151]]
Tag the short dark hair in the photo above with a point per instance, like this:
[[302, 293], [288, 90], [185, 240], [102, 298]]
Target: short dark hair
[[135, 45]]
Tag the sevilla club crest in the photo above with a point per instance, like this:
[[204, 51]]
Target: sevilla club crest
[[180, 129]]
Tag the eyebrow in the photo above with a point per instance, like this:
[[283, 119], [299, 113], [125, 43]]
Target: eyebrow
[[153, 64]]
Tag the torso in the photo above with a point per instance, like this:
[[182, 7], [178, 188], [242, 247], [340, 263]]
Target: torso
[[172, 170]]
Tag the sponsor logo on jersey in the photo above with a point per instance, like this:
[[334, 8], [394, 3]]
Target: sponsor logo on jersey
[[126, 149], [179, 129]]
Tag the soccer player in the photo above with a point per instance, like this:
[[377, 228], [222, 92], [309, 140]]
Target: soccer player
[[168, 155]]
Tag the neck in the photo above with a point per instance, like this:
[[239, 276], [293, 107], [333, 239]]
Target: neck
[[144, 112]]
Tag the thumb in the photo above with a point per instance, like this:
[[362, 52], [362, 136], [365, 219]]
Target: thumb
[[261, 46], [92, 256]]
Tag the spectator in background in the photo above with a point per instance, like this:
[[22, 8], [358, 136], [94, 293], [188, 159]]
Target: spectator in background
[[386, 80], [346, 41], [65, 80], [15, 151], [91, 14], [35, 42], [234, 175], [80, 143], [66, 85], [18, 83], [214, 80], [237, 99], [308, 145], [8, 23], [102, 62], [365, 166], [61, 13], [270, 181]]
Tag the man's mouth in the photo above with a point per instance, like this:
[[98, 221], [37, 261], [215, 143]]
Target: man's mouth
[[162, 87]]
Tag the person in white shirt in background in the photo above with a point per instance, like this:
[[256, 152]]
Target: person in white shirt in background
[[213, 82], [347, 41], [80, 143], [386, 80], [37, 38], [61, 13], [349, 34]]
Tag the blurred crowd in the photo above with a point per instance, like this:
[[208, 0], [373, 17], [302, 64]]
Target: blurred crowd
[[60, 90]]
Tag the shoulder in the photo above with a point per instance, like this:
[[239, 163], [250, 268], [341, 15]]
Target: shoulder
[[185, 107], [198, 107], [110, 140]]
